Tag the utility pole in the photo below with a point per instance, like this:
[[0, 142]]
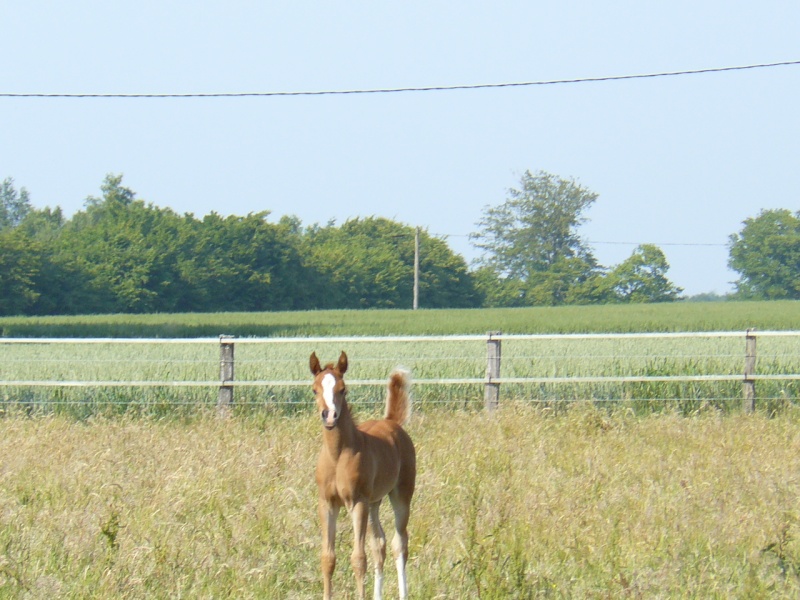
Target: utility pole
[[416, 269]]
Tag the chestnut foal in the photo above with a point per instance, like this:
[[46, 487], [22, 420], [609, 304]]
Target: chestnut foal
[[360, 465]]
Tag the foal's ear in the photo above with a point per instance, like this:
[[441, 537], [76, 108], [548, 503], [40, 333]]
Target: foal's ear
[[341, 366], [313, 364]]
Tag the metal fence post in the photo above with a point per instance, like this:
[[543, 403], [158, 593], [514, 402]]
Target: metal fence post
[[226, 364], [749, 385], [491, 388]]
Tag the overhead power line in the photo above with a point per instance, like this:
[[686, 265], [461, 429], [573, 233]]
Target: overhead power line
[[602, 242], [439, 88], [658, 243]]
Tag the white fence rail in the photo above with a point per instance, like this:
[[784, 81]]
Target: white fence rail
[[493, 358]]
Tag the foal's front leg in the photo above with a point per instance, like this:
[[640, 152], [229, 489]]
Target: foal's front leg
[[328, 514], [360, 514]]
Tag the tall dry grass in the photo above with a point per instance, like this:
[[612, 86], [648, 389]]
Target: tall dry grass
[[520, 504]]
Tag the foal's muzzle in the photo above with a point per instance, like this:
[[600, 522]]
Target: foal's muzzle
[[329, 418]]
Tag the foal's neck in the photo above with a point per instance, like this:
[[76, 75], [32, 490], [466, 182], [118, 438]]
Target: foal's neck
[[342, 436]]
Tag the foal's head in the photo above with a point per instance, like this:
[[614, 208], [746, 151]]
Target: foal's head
[[329, 388]]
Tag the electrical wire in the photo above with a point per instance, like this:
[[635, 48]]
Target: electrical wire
[[659, 244], [438, 88], [605, 243]]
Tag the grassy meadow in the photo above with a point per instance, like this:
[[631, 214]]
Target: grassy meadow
[[521, 503], [612, 491]]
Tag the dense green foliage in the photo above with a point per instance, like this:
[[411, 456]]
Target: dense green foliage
[[766, 253], [643, 277], [122, 255], [18, 267], [369, 263], [14, 205]]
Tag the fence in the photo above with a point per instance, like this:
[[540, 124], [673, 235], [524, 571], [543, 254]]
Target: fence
[[628, 360]]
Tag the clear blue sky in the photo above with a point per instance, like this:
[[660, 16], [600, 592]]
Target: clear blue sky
[[676, 161]]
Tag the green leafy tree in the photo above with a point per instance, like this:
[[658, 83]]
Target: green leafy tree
[[114, 193], [14, 205], [43, 224], [359, 266], [444, 278], [496, 291], [19, 266], [60, 283], [574, 280], [369, 263], [246, 263], [126, 251], [20, 256], [766, 254], [643, 277], [120, 254], [531, 243], [141, 258]]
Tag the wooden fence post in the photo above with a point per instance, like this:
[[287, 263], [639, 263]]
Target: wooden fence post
[[492, 389], [749, 385], [225, 400]]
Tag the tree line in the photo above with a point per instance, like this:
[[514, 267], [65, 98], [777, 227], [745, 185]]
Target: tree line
[[123, 255]]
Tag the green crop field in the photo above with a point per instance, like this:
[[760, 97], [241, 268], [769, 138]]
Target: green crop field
[[197, 360], [681, 316], [428, 361]]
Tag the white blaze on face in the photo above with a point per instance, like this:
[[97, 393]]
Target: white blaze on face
[[328, 382]]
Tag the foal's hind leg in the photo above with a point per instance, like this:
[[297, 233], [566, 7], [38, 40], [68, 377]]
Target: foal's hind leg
[[378, 543], [402, 509]]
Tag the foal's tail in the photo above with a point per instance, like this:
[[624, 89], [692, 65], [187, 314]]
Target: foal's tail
[[398, 400]]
